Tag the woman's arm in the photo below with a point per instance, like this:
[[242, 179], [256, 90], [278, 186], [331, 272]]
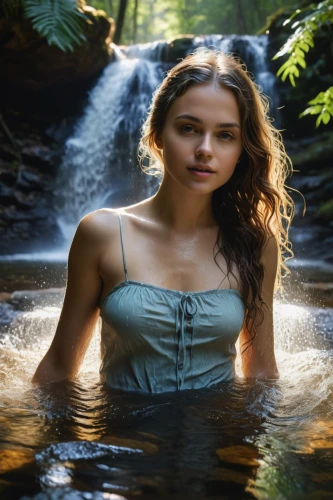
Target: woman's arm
[[80, 309], [258, 361]]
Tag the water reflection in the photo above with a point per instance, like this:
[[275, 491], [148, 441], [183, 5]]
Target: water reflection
[[244, 439]]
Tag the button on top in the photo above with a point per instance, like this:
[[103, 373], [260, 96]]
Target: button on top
[[181, 366]]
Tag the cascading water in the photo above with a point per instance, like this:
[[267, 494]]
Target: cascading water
[[100, 157], [99, 167], [252, 50]]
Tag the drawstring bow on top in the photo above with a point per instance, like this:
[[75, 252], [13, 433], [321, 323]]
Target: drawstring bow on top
[[186, 311]]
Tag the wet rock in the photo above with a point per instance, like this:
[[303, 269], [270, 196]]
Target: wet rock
[[134, 444], [177, 48], [26, 191], [243, 455], [12, 215], [29, 179], [39, 156], [32, 64], [312, 159], [14, 459], [7, 194], [78, 450], [150, 436], [313, 242], [229, 475], [67, 493], [7, 175], [22, 228]]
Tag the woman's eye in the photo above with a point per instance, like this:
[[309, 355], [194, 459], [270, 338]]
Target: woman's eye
[[225, 135], [187, 128]]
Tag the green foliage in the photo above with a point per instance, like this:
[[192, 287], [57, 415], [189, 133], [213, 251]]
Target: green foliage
[[59, 21], [322, 105], [302, 39], [298, 44]]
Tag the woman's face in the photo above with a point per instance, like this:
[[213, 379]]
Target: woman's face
[[202, 132]]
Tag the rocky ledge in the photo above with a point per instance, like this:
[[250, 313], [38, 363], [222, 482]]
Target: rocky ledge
[[43, 89]]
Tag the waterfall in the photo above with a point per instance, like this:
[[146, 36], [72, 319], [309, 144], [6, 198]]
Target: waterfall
[[252, 50], [100, 157], [100, 166]]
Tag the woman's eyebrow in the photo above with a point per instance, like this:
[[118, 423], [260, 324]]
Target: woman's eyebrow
[[197, 120]]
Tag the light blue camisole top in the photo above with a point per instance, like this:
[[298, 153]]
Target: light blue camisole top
[[156, 339]]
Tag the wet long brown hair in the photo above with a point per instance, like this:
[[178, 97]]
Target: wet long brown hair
[[254, 204]]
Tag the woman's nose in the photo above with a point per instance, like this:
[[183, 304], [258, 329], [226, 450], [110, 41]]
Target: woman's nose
[[205, 147]]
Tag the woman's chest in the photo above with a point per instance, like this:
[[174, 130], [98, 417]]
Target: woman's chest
[[192, 264], [139, 312]]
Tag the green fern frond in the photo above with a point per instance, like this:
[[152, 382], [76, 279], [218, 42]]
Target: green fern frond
[[59, 21]]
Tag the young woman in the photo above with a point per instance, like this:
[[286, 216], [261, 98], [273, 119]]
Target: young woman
[[179, 277]]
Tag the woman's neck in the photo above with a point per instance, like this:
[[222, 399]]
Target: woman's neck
[[181, 210]]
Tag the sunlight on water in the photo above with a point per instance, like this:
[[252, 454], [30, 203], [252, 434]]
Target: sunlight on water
[[263, 439], [28, 340], [297, 340]]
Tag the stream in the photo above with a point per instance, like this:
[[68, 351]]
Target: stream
[[80, 440]]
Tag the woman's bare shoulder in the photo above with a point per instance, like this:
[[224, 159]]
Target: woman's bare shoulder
[[103, 225], [99, 224]]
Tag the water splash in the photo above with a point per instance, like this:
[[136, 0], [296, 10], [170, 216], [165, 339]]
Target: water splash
[[262, 438]]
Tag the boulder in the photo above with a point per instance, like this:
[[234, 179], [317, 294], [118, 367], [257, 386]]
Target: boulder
[[177, 48], [31, 64], [46, 73]]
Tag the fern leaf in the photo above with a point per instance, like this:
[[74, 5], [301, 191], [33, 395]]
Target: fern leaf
[[59, 21]]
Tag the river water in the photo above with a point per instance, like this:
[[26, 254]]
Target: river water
[[81, 440]]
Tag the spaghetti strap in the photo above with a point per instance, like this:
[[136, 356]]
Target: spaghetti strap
[[122, 246]]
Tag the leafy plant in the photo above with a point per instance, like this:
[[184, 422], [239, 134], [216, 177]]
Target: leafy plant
[[322, 105], [297, 45], [59, 21]]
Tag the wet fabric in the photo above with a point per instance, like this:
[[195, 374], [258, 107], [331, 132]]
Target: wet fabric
[[156, 339]]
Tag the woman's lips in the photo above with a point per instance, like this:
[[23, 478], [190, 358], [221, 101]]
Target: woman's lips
[[201, 170], [200, 173]]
